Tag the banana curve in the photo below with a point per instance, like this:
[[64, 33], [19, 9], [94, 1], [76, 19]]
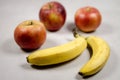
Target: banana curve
[[58, 54], [101, 53]]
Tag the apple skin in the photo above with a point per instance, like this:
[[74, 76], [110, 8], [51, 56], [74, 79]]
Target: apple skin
[[53, 15], [88, 19], [30, 34]]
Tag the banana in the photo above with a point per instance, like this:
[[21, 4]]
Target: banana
[[99, 57], [58, 54]]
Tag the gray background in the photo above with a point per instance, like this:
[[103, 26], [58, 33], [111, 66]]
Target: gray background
[[13, 65]]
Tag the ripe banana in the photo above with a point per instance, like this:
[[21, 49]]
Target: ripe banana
[[100, 55], [58, 54]]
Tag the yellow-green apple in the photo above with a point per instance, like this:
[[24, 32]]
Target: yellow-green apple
[[30, 34], [53, 15], [88, 19]]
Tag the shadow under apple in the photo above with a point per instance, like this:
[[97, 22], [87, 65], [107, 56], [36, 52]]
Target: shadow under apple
[[9, 46], [70, 26]]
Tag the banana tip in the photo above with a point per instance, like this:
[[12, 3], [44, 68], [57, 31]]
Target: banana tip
[[80, 73], [27, 59], [85, 76]]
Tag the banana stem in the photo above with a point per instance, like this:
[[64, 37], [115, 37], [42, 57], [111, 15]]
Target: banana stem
[[76, 35]]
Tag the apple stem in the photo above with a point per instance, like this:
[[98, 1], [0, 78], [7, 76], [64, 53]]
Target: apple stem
[[50, 6], [31, 23]]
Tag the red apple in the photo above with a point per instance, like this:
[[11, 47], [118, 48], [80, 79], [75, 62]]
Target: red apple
[[53, 15], [30, 34], [87, 19]]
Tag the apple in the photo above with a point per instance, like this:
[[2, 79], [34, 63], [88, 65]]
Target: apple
[[88, 19], [30, 34], [53, 15]]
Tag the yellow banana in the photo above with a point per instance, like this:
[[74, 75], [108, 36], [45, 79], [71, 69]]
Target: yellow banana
[[100, 55], [58, 54]]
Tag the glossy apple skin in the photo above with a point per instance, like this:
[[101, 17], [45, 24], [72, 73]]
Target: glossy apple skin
[[88, 19], [30, 34], [53, 15]]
